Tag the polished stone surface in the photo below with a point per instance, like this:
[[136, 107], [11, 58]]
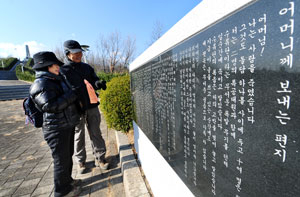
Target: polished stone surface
[[221, 106]]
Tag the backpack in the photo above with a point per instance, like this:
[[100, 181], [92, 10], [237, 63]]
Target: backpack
[[33, 114]]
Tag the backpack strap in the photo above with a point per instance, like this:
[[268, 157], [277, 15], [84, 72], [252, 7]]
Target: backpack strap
[[25, 99], [35, 104]]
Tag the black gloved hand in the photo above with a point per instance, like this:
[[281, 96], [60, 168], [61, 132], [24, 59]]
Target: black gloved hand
[[100, 85]]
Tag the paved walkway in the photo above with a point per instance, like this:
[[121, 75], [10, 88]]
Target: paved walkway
[[13, 82], [26, 167]]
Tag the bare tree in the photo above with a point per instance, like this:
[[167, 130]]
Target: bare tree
[[114, 51], [157, 31], [92, 60], [95, 61], [59, 52], [129, 50], [110, 49]]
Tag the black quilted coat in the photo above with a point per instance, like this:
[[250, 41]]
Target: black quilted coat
[[76, 73], [57, 101]]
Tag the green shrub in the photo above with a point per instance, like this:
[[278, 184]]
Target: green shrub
[[115, 103], [27, 75], [108, 76], [8, 63], [29, 63]]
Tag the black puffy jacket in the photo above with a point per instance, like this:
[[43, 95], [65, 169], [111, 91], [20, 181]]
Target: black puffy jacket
[[75, 74], [57, 101]]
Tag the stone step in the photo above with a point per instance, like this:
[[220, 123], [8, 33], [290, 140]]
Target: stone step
[[16, 97], [18, 87], [8, 75], [14, 92]]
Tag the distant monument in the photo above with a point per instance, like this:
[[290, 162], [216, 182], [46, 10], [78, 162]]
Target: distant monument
[[27, 53], [27, 57]]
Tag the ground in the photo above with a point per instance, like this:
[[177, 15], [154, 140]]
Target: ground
[[130, 137]]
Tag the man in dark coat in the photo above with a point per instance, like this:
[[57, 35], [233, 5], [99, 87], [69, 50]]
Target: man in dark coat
[[78, 74], [52, 95]]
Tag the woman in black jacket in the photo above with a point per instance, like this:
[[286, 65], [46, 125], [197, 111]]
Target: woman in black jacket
[[54, 97]]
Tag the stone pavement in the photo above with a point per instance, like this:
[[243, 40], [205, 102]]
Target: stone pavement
[[26, 167]]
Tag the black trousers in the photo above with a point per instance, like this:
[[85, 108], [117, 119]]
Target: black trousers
[[61, 143]]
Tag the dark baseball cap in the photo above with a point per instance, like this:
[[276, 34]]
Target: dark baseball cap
[[72, 46]]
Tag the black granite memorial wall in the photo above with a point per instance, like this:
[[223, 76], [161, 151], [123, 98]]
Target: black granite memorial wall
[[222, 106]]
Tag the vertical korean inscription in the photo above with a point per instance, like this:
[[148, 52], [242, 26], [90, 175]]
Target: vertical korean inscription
[[171, 62], [164, 94], [228, 87], [158, 103], [138, 93], [148, 120], [284, 92], [187, 83]]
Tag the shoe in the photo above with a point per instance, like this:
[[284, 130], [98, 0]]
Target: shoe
[[76, 182], [74, 192], [103, 165], [81, 168]]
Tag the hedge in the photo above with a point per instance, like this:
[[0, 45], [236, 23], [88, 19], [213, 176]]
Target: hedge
[[115, 103], [27, 75], [29, 63], [8, 63], [108, 76]]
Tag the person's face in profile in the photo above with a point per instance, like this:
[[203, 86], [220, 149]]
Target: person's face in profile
[[54, 68], [75, 57]]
